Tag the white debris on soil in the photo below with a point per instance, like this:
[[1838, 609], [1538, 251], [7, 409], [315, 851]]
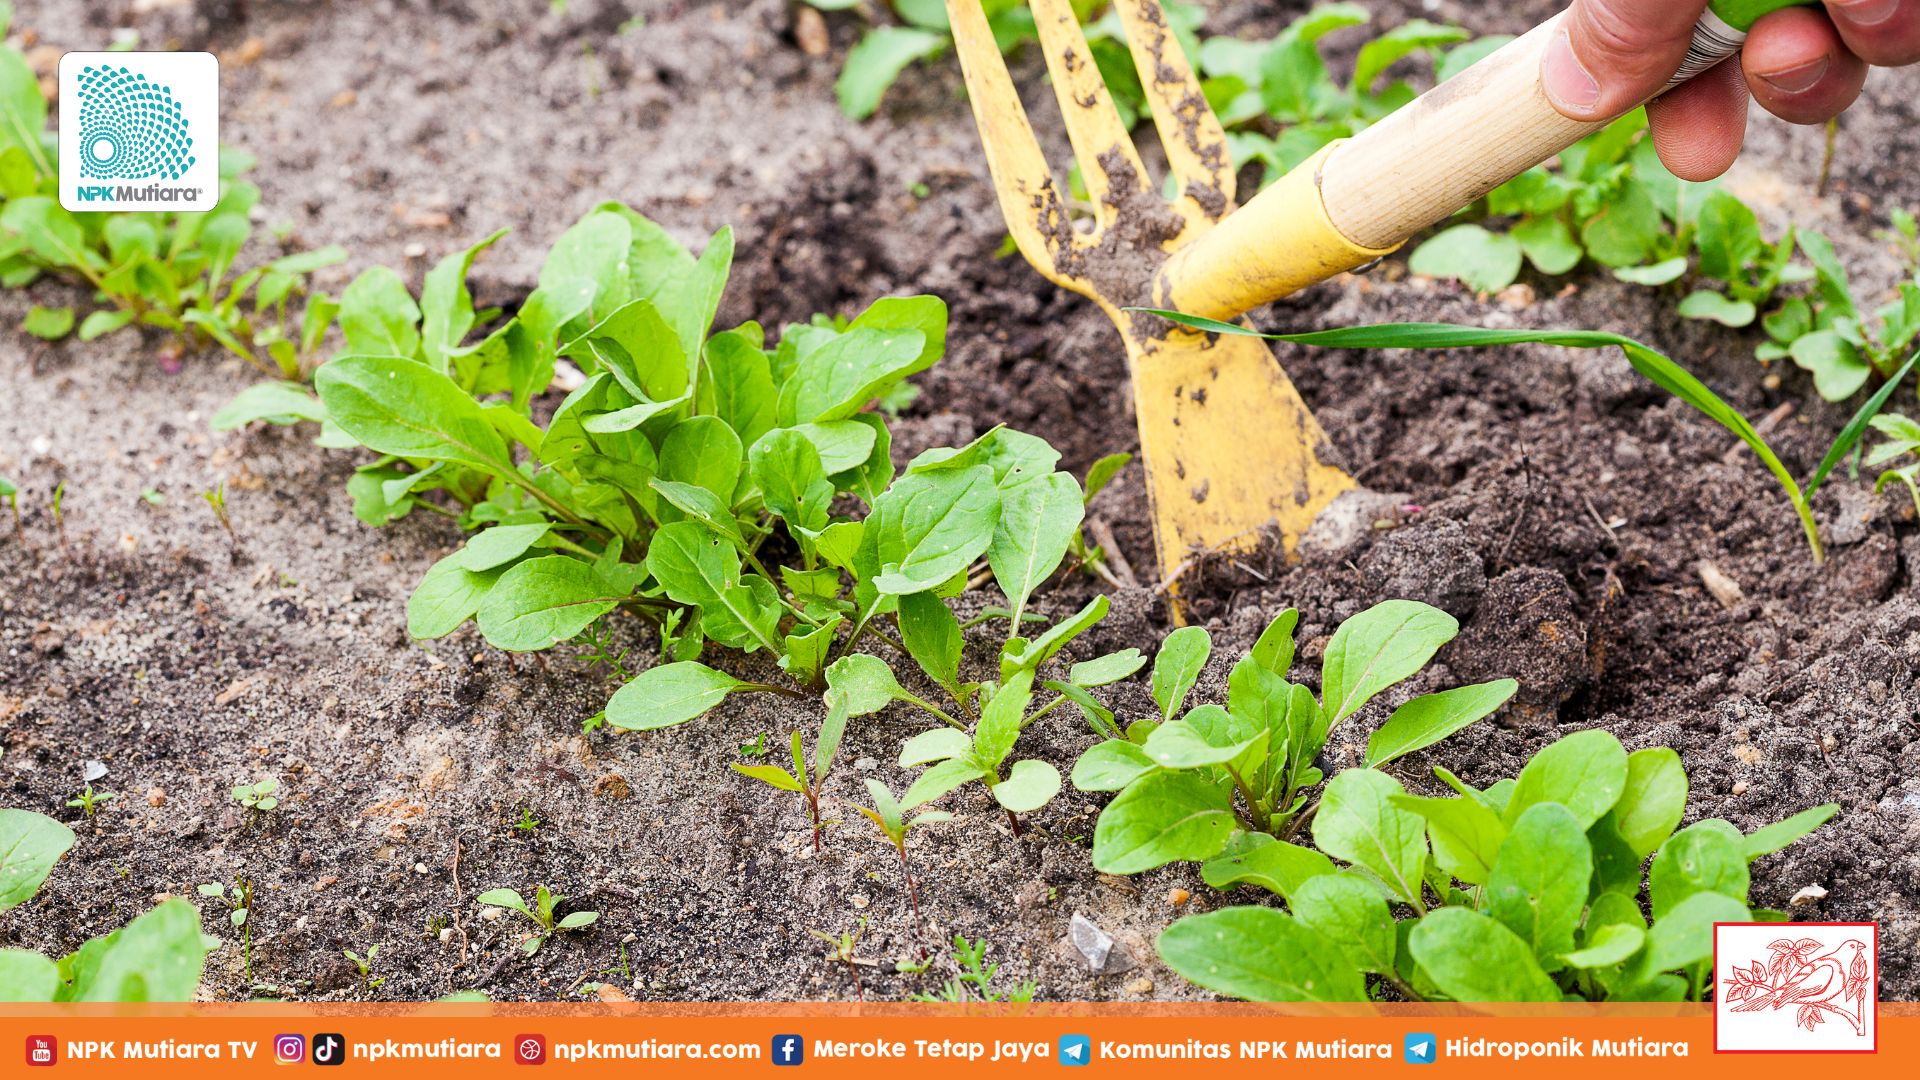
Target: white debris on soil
[[1103, 954], [1724, 589]]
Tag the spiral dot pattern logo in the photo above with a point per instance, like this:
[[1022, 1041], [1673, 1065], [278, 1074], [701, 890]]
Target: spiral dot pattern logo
[[131, 128]]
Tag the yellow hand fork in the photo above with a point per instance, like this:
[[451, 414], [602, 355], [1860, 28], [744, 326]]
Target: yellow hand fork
[[1230, 448]]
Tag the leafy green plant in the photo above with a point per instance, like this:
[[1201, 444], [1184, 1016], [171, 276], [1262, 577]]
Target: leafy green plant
[[90, 801], [238, 900], [1528, 890], [1903, 437], [974, 980], [807, 785], [541, 912], [156, 957], [1831, 335], [1228, 786], [11, 492], [527, 822], [216, 500], [1280, 103], [1652, 365], [886, 50], [173, 271], [890, 817], [364, 964], [259, 796], [30, 844]]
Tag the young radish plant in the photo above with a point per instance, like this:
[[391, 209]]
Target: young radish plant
[[158, 956], [1229, 787], [173, 271], [1830, 334], [1528, 890], [1654, 366]]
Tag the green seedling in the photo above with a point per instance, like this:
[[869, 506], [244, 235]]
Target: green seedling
[[527, 822], [887, 49], [365, 966], [1224, 786], [259, 796], [974, 981], [90, 801], [840, 950], [1903, 440], [152, 497], [807, 785], [59, 517], [172, 271], [1832, 336], [891, 819], [541, 912], [1283, 85], [238, 900], [1651, 364], [11, 492], [1528, 890], [757, 748], [217, 501]]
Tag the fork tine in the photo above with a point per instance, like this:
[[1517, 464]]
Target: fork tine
[[1033, 205], [1194, 139], [1101, 143]]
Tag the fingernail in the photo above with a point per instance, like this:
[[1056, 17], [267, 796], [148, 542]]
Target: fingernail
[[1866, 12], [1567, 82], [1797, 78]]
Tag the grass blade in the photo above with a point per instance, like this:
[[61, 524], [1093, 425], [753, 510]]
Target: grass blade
[[1857, 426], [1656, 367]]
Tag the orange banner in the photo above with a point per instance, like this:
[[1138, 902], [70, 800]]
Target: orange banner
[[470, 1042]]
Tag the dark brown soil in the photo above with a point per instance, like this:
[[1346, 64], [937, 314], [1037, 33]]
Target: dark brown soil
[[1555, 502]]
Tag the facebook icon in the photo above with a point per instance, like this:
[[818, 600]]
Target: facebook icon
[[789, 1050]]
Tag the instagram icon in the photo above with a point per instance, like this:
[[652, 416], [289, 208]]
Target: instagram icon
[[289, 1049]]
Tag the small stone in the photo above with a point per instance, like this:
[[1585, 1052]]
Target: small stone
[[1104, 955], [1829, 743], [419, 868], [446, 935], [859, 901], [1178, 897], [1740, 788], [156, 797], [490, 914], [1812, 894], [810, 32], [415, 250], [1140, 986], [612, 786], [1724, 589]]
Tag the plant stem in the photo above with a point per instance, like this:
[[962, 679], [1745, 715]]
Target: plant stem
[[1826, 158], [934, 709], [1014, 820], [1807, 524], [813, 811], [1043, 710], [913, 894]]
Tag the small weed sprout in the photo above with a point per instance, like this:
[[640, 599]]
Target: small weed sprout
[[90, 801], [238, 899], [527, 822], [365, 966], [975, 979], [11, 492], [840, 950], [890, 818], [541, 912], [825, 746], [258, 797], [59, 518], [217, 501]]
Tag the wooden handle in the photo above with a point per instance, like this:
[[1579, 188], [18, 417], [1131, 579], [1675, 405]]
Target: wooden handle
[[1450, 146]]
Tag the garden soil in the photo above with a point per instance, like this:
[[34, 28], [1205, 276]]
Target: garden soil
[[1560, 506]]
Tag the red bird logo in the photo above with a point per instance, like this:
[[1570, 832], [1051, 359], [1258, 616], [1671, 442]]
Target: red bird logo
[[1834, 982]]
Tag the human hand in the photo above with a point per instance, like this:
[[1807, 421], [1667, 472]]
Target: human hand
[[1803, 64]]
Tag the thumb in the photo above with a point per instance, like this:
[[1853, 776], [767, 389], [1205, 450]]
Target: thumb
[[1610, 55]]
